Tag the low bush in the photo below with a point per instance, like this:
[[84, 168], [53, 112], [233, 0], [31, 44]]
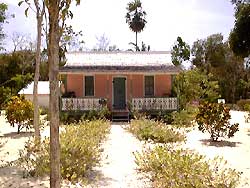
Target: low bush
[[156, 131], [44, 111], [214, 118], [67, 117], [167, 167], [80, 151], [19, 111], [159, 115], [104, 113], [185, 117], [244, 104]]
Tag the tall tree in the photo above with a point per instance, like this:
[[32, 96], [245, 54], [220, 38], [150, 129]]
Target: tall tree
[[53, 59], [3, 17], [135, 18], [58, 12], [240, 36], [212, 55], [39, 11], [180, 52], [209, 53]]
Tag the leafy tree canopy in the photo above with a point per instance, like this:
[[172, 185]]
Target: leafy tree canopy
[[135, 18], [240, 35], [180, 52], [209, 52], [3, 17], [195, 85]]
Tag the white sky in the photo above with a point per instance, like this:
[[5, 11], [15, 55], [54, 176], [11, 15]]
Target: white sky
[[190, 19]]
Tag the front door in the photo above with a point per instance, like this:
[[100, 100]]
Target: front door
[[119, 93]]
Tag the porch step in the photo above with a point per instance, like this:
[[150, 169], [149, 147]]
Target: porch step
[[120, 116]]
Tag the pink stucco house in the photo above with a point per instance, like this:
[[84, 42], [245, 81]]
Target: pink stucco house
[[126, 80]]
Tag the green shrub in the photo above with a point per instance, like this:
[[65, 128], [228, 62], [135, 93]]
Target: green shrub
[[5, 95], [184, 118], [214, 118], [155, 131], [167, 167], [244, 104], [80, 151], [19, 111], [67, 117], [247, 107], [44, 111]]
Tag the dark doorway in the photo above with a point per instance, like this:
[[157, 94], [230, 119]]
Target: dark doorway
[[119, 93]]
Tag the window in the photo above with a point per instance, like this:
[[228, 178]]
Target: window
[[89, 85], [149, 86]]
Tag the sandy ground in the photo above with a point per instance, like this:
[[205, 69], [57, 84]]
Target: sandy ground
[[117, 169], [236, 150]]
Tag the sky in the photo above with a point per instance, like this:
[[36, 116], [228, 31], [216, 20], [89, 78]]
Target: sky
[[166, 20]]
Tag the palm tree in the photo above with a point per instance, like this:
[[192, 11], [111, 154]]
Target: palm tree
[[135, 18]]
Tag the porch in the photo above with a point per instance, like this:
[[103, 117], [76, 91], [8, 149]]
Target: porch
[[136, 104]]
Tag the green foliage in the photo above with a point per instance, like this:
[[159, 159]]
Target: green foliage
[[70, 116], [214, 56], [16, 70], [5, 95], [156, 131], [195, 85], [240, 35], [80, 151], [19, 111], [180, 52], [185, 117], [178, 168], [3, 17], [44, 111], [76, 116], [135, 18], [143, 48], [214, 118], [209, 52], [244, 104]]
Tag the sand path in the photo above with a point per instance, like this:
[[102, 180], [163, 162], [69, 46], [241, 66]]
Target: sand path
[[118, 167]]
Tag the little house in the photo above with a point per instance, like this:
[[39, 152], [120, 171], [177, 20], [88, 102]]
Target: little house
[[123, 80]]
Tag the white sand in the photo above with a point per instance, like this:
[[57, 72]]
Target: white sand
[[236, 150], [118, 167]]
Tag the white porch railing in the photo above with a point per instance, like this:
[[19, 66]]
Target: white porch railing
[[82, 104], [154, 103]]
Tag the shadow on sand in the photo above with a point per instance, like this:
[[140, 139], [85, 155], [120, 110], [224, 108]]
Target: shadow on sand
[[222, 143], [97, 179], [14, 135]]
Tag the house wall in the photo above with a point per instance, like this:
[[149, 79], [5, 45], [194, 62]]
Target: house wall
[[163, 85], [43, 100], [103, 86], [75, 83]]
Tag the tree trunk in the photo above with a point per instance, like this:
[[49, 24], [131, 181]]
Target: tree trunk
[[39, 17], [136, 47], [53, 59]]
